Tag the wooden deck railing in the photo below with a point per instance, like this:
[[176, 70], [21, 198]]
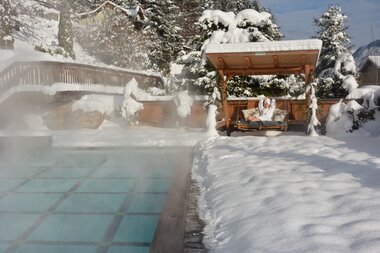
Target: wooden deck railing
[[48, 73]]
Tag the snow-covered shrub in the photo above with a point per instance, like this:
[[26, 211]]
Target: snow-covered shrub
[[355, 117], [129, 110], [211, 121], [212, 104], [184, 103], [87, 113], [338, 121], [130, 107]]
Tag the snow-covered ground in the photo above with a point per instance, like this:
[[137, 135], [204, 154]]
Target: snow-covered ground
[[290, 194]]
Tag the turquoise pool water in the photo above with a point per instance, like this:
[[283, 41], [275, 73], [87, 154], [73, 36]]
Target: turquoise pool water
[[83, 201]]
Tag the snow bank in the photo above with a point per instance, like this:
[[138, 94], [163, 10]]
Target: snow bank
[[23, 52], [364, 91], [289, 194]]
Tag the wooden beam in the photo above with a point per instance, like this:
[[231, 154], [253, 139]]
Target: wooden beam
[[275, 60], [263, 71], [307, 74], [221, 62], [248, 61], [303, 60]]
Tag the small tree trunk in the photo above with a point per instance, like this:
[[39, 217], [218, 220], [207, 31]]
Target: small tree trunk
[[6, 39]]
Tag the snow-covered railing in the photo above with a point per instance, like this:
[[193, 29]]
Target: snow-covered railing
[[48, 73]]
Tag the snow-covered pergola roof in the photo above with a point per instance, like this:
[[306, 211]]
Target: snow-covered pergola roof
[[261, 58]]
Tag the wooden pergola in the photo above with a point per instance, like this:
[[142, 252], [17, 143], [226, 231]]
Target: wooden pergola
[[262, 58]]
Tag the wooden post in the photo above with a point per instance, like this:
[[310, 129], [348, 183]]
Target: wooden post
[[307, 81], [223, 89], [307, 101]]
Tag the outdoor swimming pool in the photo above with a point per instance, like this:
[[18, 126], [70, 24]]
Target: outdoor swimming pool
[[84, 200]]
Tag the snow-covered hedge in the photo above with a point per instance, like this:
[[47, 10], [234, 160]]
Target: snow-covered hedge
[[350, 117]]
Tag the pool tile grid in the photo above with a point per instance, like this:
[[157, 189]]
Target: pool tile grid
[[127, 219], [107, 245], [114, 226], [23, 182], [13, 247]]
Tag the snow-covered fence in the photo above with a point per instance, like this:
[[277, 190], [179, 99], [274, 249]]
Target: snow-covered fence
[[47, 73]]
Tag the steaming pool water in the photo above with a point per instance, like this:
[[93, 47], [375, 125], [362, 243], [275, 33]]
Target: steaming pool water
[[63, 200]]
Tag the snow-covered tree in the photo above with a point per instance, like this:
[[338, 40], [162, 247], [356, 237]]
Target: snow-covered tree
[[80, 6], [189, 13], [335, 61], [6, 39], [65, 29], [232, 5], [225, 27], [116, 41], [162, 27]]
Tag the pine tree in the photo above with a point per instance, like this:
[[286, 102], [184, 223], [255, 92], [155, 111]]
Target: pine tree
[[200, 73], [189, 13], [161, 26], [65, 30], [116, 41], [336, 42], [232, 5], [6, 39]]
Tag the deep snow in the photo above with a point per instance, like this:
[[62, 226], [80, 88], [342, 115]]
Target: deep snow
[[290, 194]]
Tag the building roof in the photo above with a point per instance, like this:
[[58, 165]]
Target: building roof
[[260, 58], [375, 60]]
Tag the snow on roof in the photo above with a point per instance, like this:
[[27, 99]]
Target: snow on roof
[[130, 11], [375, 60], [271, 46]]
